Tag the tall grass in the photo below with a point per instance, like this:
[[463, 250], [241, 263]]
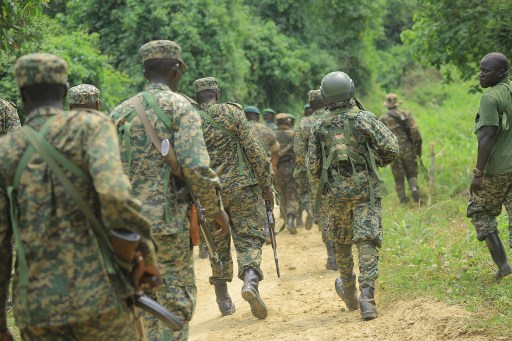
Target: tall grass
[[432, 250]]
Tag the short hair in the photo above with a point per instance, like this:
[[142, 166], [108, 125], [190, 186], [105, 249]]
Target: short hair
[[498, 59], [37, 92], [206, 95], [159, 66]]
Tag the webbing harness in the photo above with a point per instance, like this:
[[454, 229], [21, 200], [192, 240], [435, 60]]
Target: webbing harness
[[124, 135], [353, 152], [242, 168], [55, 161]]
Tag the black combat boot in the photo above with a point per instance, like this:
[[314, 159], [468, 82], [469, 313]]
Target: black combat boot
[[331, 258], [224, 302], [251, 294], [347, 293], [498, 255], [415, 192], [203, 252], [367, 303], [290, 224], [299, 223]]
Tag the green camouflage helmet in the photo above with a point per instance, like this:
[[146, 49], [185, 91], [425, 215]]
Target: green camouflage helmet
[[337, 87]]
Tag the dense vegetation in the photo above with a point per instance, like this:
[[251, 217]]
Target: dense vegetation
[[271, 52]]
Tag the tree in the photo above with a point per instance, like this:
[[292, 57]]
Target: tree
[[460, 32]]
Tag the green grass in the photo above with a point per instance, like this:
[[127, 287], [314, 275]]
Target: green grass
[[432, 250]]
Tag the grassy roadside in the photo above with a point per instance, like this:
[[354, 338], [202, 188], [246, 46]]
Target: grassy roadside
[[432, 250]]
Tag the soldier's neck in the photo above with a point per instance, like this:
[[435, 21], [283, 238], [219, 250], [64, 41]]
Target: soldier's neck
[[31, 106]]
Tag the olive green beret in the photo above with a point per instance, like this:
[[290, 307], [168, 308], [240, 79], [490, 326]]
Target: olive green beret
[[314, 95], [251, 108], [282, 118], [208, 83], [268, 111], [161, 49], [307, 106], [40, 68], [83, 94]]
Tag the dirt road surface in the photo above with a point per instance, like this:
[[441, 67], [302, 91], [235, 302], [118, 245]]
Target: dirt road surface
[[303, 304]]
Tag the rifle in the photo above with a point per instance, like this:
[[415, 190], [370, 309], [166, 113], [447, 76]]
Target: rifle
[[201, 211], [272, 226], [125, 244]]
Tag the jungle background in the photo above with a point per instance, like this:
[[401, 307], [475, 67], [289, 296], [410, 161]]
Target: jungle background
[[269, 53]]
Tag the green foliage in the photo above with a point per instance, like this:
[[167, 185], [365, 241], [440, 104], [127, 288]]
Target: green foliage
[[16, 22], [460, 32]]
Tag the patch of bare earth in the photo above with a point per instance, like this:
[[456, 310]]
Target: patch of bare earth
[[304, 306]]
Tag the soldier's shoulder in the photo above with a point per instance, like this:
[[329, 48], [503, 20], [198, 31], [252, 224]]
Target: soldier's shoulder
[[7, 104], [236, 105], [188, 99]]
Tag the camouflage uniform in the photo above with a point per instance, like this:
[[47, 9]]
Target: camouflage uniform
[[405, 165], [265, 136], [241, 188], [269, 124], [83, 94], [9, 120], [353, 218], [157, 189], [285, 182], [69, 291]]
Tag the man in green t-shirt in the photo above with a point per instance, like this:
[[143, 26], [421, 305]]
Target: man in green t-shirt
[[491, 187]]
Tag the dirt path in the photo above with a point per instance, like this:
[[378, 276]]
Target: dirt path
[[304, 306]]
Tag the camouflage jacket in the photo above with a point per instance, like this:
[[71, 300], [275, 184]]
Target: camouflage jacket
[[9, 120], [302, 135], [266, 137], [223, 149], [151, 178], [366, 129], [393, 118], [284, 136], [270, 124], [68, 282]]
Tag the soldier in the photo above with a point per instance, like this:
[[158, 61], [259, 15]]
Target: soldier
[[292, 120], [403, 125], [9, 119], [244, 172], [155, 184], [84, 96], [285, 182], [269, 116], [268, 141], [307, 110], [301, 142], [353, 142], [62, 288], [491, 187]]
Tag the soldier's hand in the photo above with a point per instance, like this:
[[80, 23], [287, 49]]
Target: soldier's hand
[[145, 277], [476, 185], [5, 335], [222, 222]]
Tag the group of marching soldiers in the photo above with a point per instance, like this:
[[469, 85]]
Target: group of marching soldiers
[[75, 182]]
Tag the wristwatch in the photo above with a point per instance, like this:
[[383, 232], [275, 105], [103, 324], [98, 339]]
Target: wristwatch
[[477, 173]]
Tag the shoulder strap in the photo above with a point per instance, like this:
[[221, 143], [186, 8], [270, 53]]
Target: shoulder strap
[[170, 158], [239, 151]]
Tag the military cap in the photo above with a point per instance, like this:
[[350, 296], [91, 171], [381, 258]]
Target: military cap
[[307, 106], [291, 117], [208, 83], [268, 111], [160, 49], [251, 108], [391, 101], [40, 68], [282, 117], [83, 94], [314, 95]]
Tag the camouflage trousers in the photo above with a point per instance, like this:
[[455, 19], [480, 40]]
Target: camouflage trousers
[[286, 186], [304, 193], [117, 324], [248, 237], [356, 223], [178, 293], [405, 166], [486, 206]]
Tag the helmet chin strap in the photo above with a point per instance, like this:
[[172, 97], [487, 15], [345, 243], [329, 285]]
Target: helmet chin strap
[[359, 105]]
